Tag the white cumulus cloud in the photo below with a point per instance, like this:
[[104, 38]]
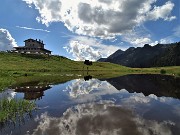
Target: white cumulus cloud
[[7, 42], [89, 48], [137, 41], [162, 12], [101, 18]]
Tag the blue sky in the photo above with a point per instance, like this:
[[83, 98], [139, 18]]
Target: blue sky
[[89, 29]]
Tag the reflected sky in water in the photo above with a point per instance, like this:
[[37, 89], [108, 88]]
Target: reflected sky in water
[[104, 118], [8, 94], [95, 106]]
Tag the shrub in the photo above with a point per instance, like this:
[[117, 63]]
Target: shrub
[[162, 71]]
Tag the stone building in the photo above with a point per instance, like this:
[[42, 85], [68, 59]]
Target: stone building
[[32, 47]]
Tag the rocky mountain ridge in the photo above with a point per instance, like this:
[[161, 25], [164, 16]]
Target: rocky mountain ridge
[[147, 56]]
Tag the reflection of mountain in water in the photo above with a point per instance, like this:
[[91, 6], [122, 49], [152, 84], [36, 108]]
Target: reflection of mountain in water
[[160, 85], [32, 90]]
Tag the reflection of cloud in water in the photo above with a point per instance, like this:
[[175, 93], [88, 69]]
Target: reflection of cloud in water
[[152, 127], [7, 94], [139, 98], [104, 118], [177, 111], [80, 87], [94, 89]]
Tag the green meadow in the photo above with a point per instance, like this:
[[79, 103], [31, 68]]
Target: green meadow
[[19, 68]]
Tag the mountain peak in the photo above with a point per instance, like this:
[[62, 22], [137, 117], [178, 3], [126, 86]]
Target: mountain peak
[[147, 56], [147, 46]]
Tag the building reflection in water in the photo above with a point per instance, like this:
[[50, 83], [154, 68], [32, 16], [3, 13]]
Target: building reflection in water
[[32, 92]]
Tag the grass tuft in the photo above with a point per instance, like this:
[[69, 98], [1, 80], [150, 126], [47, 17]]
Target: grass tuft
[[14, 109]]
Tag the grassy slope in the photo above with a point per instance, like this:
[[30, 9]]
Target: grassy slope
[[20, 63], [41, 63], [14, 66]]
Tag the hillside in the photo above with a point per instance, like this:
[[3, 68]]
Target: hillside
[[44, 63], [148, 56], [20, 68], [29, 63]]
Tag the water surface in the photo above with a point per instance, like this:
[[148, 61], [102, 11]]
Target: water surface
[[132, 104]]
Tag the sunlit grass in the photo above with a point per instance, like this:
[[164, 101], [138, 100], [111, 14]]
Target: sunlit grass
[[20, 68], [19, 63]]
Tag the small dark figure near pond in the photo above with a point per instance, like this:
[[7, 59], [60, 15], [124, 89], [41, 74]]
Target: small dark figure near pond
[[88, 63]]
